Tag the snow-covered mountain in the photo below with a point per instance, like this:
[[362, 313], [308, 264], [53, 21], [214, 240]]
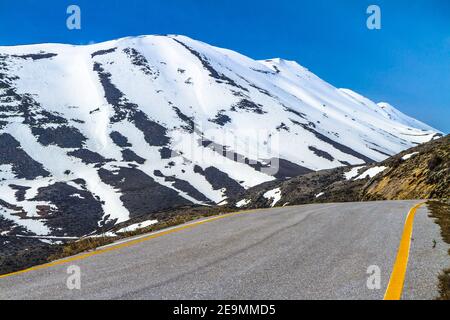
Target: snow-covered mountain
[[93, 135]]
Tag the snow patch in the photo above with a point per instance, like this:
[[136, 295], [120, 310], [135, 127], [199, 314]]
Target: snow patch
[[223, 203], [274, 195], [352, 173], [320, 194], [6, 172], [243, 203], [409, 156], [137, 226], [372, 172]]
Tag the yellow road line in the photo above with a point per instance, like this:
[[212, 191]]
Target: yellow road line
[[125, 244], [395, 287]]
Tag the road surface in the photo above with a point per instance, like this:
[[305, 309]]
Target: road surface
[[317, 251]]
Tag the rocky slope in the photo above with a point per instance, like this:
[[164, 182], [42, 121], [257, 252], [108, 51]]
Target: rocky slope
[[419, 173], [422, 172]]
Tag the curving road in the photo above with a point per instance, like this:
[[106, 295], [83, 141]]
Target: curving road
[[303, 252]]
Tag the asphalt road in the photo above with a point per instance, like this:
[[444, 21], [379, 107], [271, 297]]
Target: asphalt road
[[303, 252]]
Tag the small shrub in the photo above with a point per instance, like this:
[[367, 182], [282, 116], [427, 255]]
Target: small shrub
[[434, 162], [444, 285]]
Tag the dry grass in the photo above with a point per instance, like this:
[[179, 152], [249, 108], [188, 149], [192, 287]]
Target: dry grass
[[440, 210], [84, 245]]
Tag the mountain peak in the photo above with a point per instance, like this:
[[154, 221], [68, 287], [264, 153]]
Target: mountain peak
[[138, 125]]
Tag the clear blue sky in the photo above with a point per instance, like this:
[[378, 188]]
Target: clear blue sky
[[406, 63]]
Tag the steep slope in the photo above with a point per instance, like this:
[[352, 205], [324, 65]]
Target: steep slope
[[422, 172], [91, 136]]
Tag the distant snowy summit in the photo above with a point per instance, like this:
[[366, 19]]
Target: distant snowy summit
[[93, 135]]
